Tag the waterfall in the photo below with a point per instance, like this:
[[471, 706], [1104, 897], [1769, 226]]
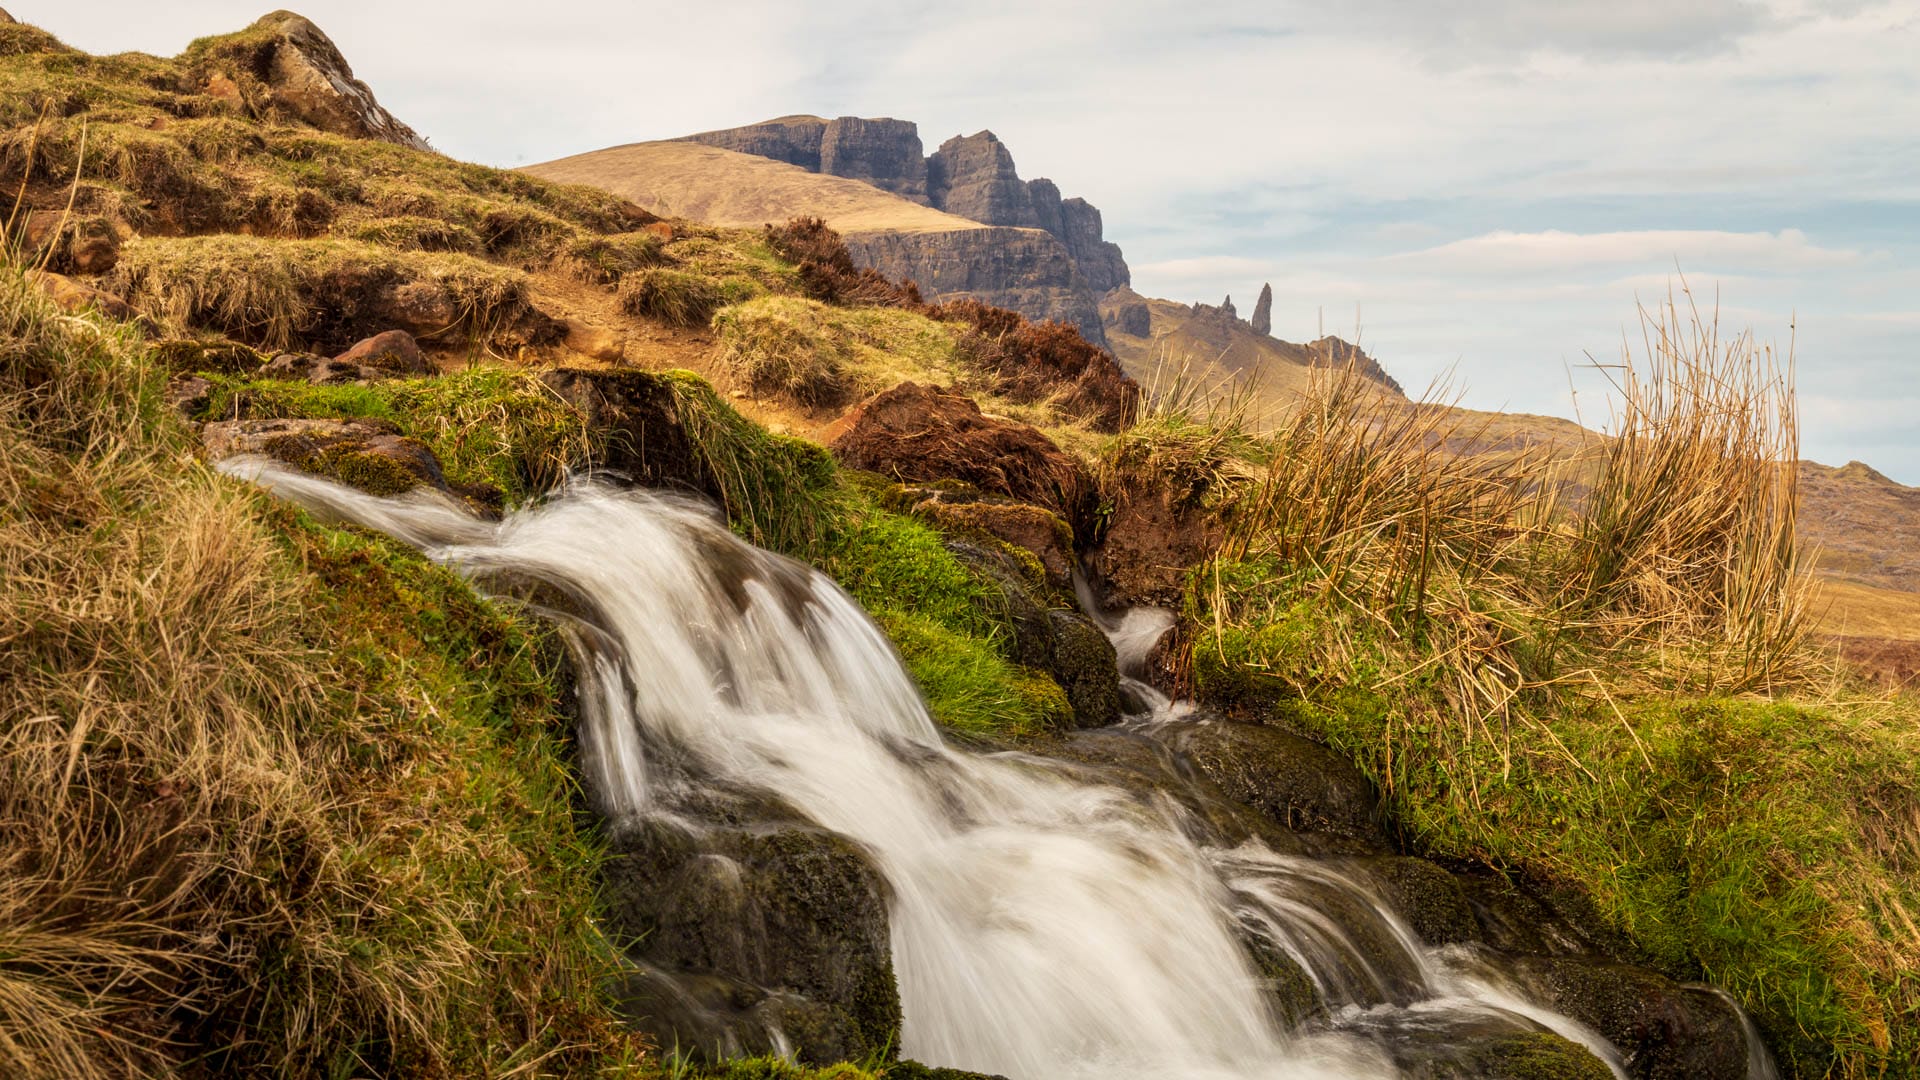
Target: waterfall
[[1041, 926]]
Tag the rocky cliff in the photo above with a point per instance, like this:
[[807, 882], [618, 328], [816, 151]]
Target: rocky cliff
[[1022, 269], [971, 176]]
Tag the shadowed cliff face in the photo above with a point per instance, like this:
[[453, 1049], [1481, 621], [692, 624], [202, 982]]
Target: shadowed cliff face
[[1024, 270], [970, 176]]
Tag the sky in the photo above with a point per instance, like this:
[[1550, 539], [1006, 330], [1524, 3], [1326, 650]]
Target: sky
[[1486, 190]]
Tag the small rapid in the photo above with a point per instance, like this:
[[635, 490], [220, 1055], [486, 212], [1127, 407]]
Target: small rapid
[[1041, 926]]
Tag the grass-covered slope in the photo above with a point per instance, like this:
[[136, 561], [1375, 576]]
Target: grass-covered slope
[[273, 796]]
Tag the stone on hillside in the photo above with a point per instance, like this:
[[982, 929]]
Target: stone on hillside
[[75, 298], [1262, 321], [637, 415], [392, 353], [72, 244], [1126, 312], [596, 341], [188, 395], [6, 18], [920, 434], [371, 455], [307, 77], [1032, 530]]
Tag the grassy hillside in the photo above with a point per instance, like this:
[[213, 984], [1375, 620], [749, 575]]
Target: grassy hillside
[[721, 187]]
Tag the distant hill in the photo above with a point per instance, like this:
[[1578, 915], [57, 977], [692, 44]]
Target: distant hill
[[1157, 340]]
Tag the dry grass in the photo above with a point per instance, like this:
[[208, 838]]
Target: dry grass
[[254, 815], [819, 356]]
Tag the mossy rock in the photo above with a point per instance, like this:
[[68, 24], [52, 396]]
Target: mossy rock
[[781, 911], [1425, 895], [1299, 784], [1663, 1030], [189, 357], [1532, 1055]]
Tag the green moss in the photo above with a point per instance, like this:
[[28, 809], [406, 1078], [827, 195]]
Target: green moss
[[486, 425], [1535, 1055]]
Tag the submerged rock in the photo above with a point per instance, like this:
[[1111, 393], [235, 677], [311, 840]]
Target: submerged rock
[[1428, 897]]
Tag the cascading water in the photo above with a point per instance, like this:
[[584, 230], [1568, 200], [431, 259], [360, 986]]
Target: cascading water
[[1041, 926]]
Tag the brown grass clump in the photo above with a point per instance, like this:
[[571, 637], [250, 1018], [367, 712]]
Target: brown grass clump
[[1045, 361], [672, 296], [324, 294], [827, 273]]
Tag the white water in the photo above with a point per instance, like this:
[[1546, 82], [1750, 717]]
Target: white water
[[1041, 928]]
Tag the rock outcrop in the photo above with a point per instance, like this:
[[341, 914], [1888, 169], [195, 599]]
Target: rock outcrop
[[1262, 321], [307, 79], [883, 152], [970, 176]]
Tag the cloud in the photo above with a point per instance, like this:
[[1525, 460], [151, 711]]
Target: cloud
[[1507, 252]]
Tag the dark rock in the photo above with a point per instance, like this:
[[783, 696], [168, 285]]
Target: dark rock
[[308, 79], [1663, 1030], [884, 152], [393, 353], [1083, 665], [793, 139], [1126, 312], [1299, 784], [974, 177], [639, 415], [1064, 644], [1430, 900], [1262, 321], [784, 910], [1044, 195], [1513, 921], [1532, 1055], [189, 395], [919, 434], [913, 1070], [371, 455], [1099, 259]]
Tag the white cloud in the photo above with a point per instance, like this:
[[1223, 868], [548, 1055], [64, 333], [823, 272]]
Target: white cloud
[[1506, 252]]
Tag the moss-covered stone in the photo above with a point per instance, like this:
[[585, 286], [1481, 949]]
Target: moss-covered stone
[[1428, 897], [1663, 1030], [1534, 1055], [1299, 784], [778, 909]]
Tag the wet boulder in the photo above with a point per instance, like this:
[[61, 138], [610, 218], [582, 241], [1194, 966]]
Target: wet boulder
[[783, 913], [1299, 784], [1063, 643], [371, 455], [1663, 1030]]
